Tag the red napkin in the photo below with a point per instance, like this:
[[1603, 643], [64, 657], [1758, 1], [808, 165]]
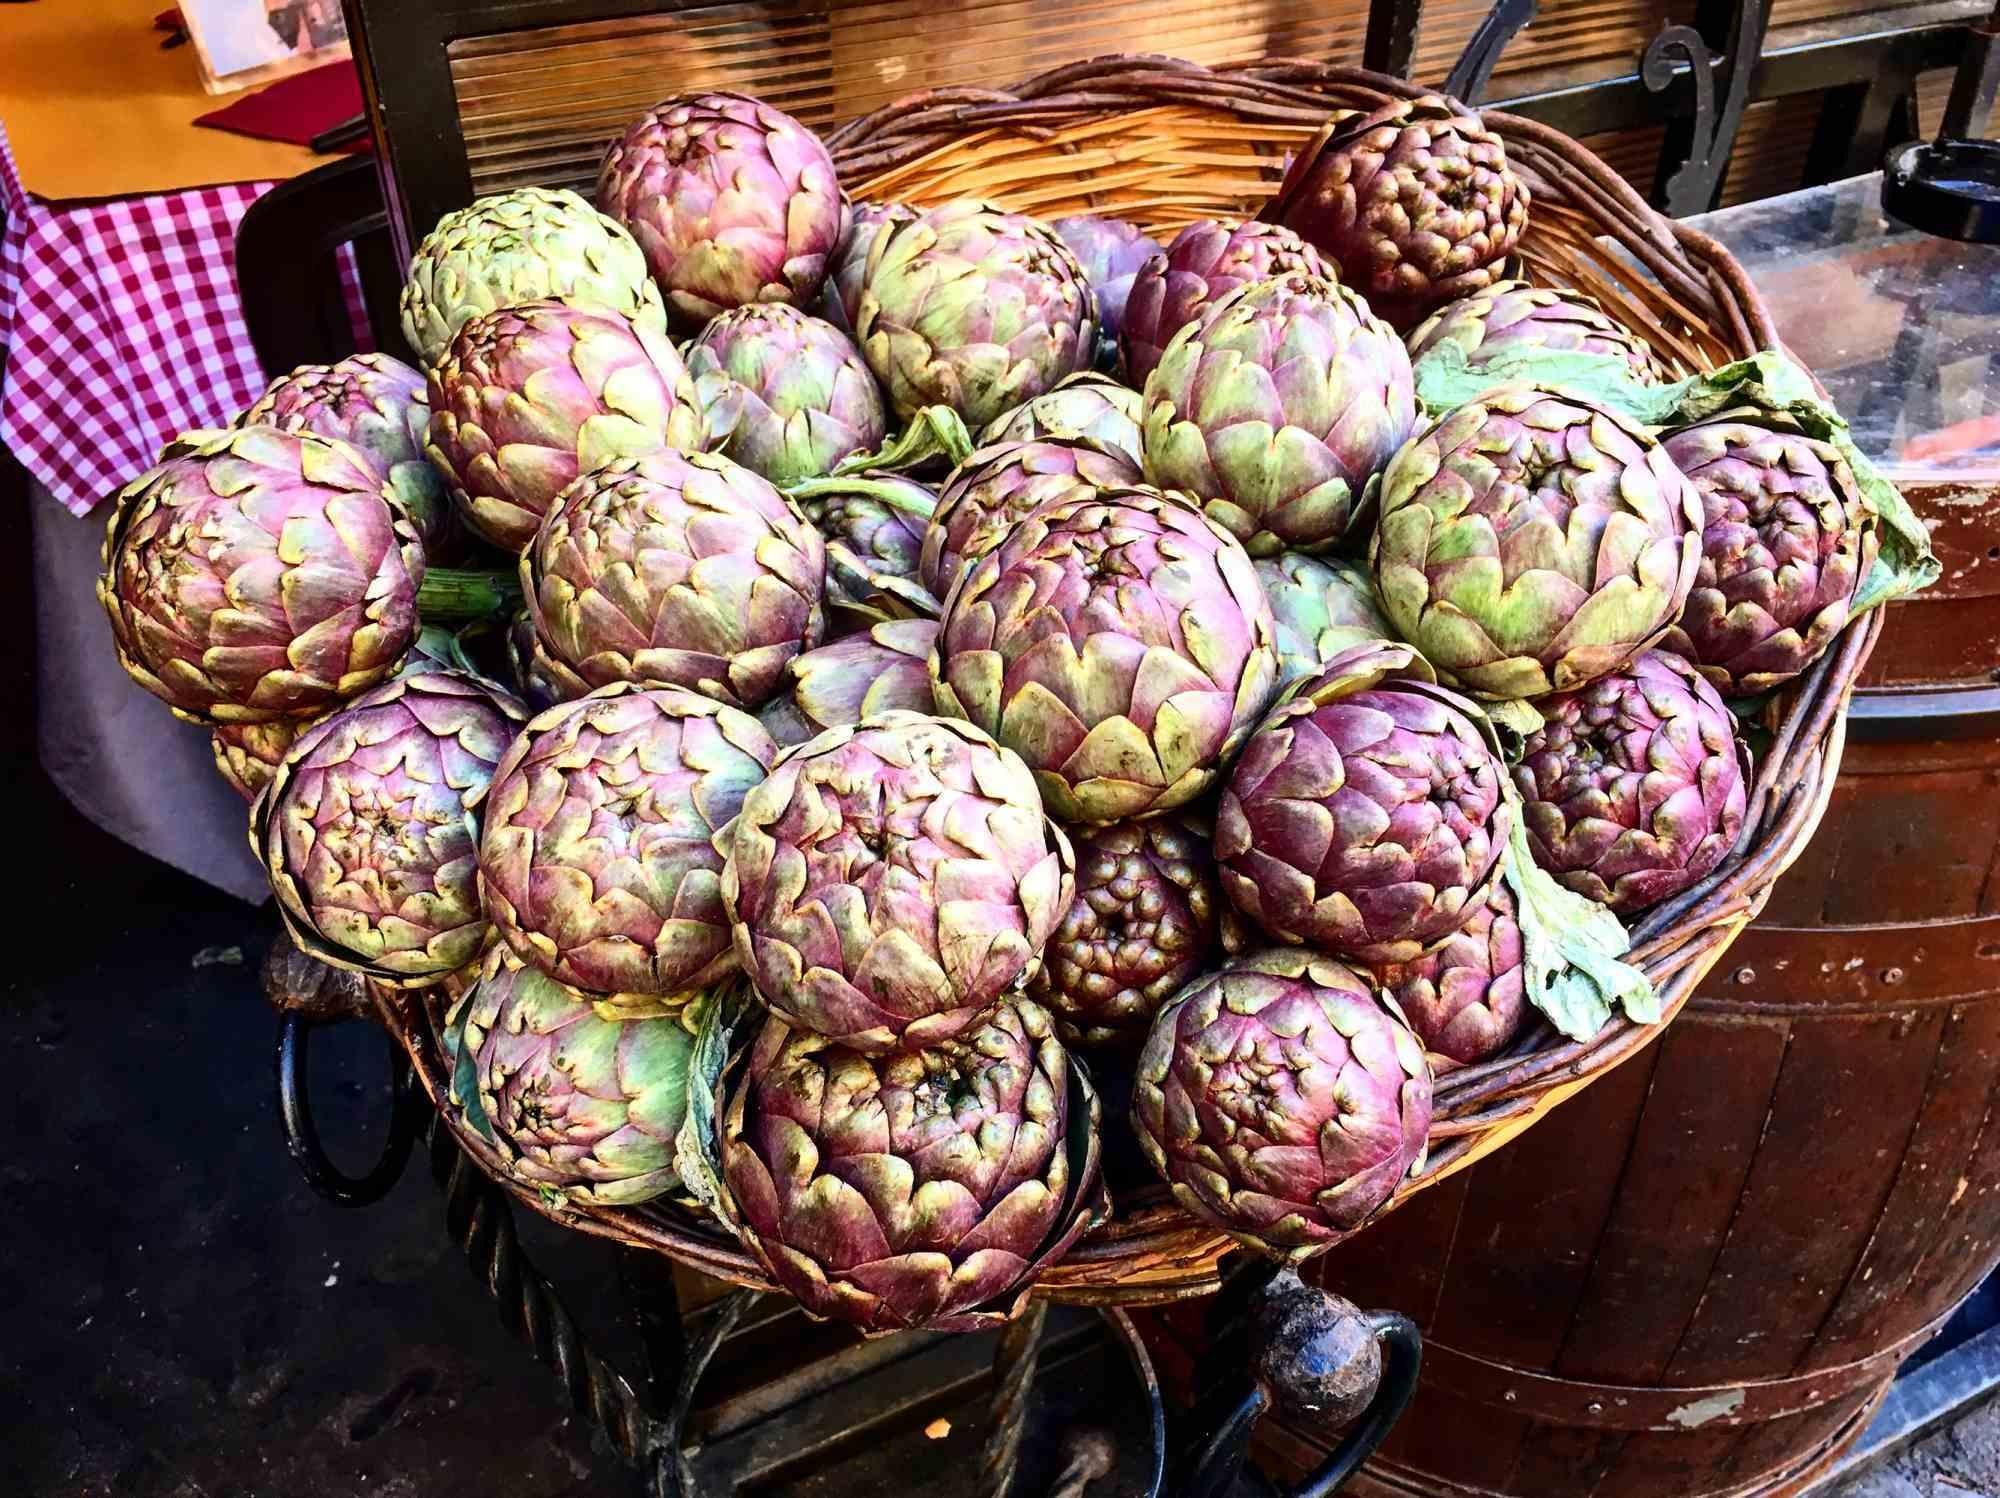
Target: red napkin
[[297, 108]]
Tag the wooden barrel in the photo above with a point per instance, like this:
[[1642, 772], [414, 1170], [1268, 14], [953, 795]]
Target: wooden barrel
[[1697, 1277]]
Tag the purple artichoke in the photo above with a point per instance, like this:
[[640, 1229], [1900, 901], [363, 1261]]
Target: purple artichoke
[[1277, 409], [1510, 319], [247, 755], [926, 1188], [974, 308], [366, 827], [874, 524], [890, 881], [1143, 923], [1206, 261], [531, 396], [885, 668], [1282, 1100], [1367, 815], [1787, 538], [1119, 643], [784, 394], [1322, 610], [674, 569], [998, 486], [1111, 253], [598, 860], [1467, 999], [377, 405], [841, 298], [1415, 203], [1632, 790], [1530, 541], [532, 680], [734, 202], [257, 575], [1084, 405]]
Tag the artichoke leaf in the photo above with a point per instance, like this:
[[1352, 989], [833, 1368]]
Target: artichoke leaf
[[727, 1018], [935, 432]]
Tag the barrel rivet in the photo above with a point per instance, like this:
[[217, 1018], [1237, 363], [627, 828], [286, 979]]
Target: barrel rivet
[[1892, 975], [1745, 975], [1510, 1396], [1595, 1407]]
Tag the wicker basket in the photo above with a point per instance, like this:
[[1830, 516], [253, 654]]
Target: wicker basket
[[1162, 142]]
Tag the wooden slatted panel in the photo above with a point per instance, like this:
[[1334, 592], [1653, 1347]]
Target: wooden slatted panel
[[1771, 149], [1933, 89], [1632, 154], [538, 107]]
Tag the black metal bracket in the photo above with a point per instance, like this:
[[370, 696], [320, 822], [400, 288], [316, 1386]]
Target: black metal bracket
[[1469, 75], [1721, 90], [302, 1137]]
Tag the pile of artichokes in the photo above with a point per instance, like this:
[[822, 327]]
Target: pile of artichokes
[[978, 648]]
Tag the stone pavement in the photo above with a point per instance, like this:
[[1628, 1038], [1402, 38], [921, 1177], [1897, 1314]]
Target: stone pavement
[[1960, 1461]]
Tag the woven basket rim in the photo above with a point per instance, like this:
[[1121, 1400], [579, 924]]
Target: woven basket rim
[[1154, 1252]]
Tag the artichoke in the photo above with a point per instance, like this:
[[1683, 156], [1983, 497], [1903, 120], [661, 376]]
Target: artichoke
[[366, 828], [1367, 816], [1322, 609], [529, 245], [1510, 319], [876, 522], [377, 405], [1084, 405], [1206, 261], [581, 1107], [974, 308], [1119, 643], [1276, 409], [1143, 923], [674, 569], [1282, 1100], [998, 486], [890, 881], [1111, 253], [926, 1188], [1632, 789], [784, 394], [884, 668], [258, 574], [532, 681], [734, 202], [529, 397], [1787, 538], [1531, 541], [248, 754], [1415, 203], [599, 861], [1466, 1000], [841, 298]]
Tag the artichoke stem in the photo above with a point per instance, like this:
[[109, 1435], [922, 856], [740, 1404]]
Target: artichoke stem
[[460, 596]]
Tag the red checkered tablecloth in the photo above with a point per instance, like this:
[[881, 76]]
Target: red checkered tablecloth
[[120, 329]]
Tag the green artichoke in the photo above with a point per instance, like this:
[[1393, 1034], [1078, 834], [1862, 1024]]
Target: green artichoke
[[999, 486], [734, 202], [1321, 608], [377, 405], [1531, 541], [1276, 409], [974, 308], [674, 569], [1112, 253], [1415, 202], [257, 575], [1367, 816], [529, 245], [784, 394], [366, 827], [1206, 261], [890, 881], [874, 524], [926, 1188], [1084, 405], [1282, 1100], [1143, 923], [599, 861], [1632, 789], [581, 1107], [1466, 1000], [248, 754], [1119, 643], [531, 396], [1510, 319], [1787, 538], [884, 668], [841, 298]]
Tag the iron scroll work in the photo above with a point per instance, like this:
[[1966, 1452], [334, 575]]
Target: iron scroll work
[[1721, 90], [1284, 1345]]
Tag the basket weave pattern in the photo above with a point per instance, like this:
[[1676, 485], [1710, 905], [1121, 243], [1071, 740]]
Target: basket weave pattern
[[1162, 142]]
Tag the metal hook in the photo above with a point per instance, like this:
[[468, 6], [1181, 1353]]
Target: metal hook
[[1469, 75], [302, 1138]]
